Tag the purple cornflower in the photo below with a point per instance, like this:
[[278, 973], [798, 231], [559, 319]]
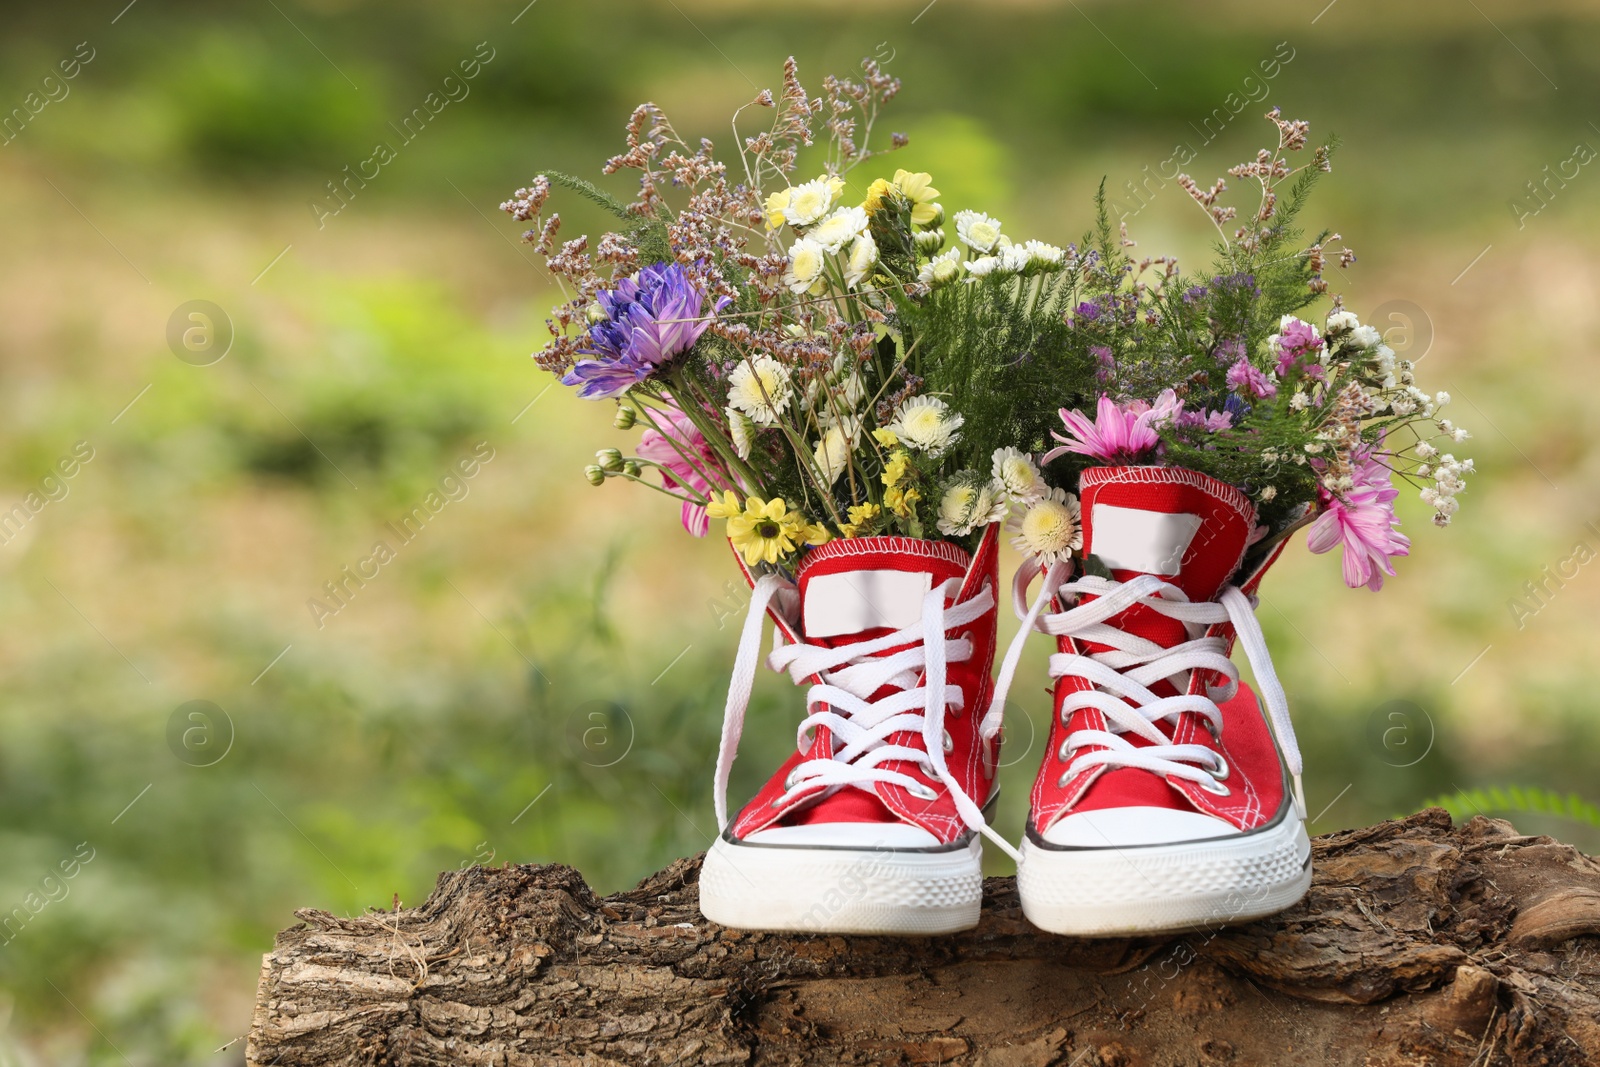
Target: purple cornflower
[[650, 317], [1244, 377], [1090, 310]]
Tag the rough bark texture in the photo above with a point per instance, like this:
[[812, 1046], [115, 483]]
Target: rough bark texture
[[1419, 943]]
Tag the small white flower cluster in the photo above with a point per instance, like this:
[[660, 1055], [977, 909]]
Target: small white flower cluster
[[1449, 479], [1389, 388]]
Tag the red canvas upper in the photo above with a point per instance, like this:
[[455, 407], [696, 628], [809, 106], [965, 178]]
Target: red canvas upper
[[1220, 537], [942, 561]]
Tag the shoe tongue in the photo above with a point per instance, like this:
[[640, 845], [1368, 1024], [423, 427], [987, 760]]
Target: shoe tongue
[[1181, 525], [855, 589]]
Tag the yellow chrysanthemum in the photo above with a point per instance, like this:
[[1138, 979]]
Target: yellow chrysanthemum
[[918, 188], [875, 193], [895, 470], [814, 533], [861, 515], [902, 501], [765, 531], [886, 437]]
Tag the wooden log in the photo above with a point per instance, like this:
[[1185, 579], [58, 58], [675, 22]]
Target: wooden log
[[1419, 943]]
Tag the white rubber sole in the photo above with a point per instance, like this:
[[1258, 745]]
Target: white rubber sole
[[1160, 889], [842, 891]]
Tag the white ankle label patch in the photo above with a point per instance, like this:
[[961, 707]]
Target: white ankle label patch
[[1154, 542], [852, 601]]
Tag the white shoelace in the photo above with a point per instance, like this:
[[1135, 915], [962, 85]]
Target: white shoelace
[[1120, 677], [842, 701]]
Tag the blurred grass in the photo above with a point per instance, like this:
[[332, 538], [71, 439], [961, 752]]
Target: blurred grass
[[539, 674]]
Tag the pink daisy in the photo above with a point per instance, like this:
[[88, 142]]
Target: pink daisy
[[655, 447], [1362, 520], [1119, 433]]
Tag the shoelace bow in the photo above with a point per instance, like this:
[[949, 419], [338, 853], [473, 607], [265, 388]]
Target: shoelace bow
[[1120, 677], [859, 725]]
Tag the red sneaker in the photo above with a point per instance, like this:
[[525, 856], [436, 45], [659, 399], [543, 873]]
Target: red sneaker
[[872, 826], [1164, 802]]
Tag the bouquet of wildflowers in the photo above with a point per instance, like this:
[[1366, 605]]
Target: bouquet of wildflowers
[[804, 359], [1219, 375]]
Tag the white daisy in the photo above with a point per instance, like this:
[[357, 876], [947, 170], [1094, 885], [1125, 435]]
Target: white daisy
[[812, 200], [983, 266], [836, 394], [977, 231], [927, 424], [759, 388], [1016, 471], [941, 269], [833, 232], [806, 261], [967, 505], [832, 455], [1042, 256], [1013, 258], [863, 256], [1051, 530], [742, 430]]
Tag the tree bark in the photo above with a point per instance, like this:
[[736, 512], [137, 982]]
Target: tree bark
[[1419, 943]]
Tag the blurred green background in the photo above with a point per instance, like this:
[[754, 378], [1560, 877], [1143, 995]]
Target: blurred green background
[[539, 674]]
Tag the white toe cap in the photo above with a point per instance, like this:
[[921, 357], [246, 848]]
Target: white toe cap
[[865, 835], [1118, 827]]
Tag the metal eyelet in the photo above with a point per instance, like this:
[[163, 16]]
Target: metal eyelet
[[1064, 754], [1221, 772], [921, 792], [1061, 783], [1216, 788], [949, 742], [1214, 730], [788, 783]]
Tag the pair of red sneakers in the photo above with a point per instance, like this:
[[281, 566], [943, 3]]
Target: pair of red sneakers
[[1164, 801]]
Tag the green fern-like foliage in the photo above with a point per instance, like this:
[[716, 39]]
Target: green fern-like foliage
[[1466, 803], [647, 233], [1000, 350]]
